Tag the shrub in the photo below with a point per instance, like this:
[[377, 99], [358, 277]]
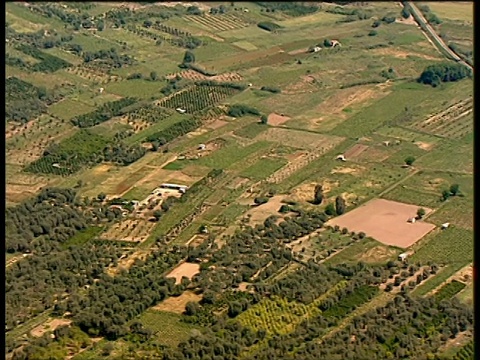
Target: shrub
[[269, 26]]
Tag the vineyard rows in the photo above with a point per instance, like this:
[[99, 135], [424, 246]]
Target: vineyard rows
[[449, 290], [452, 121], [219, 22], [466, 352], [136, 230], [278, 316], [196, 76], [150, 114], [196, 98]]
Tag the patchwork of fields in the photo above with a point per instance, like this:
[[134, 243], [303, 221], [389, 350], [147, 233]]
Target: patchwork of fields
[[221, 181]]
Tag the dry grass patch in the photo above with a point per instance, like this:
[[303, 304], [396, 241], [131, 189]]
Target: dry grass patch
[[276, 119], [49, 325], [355, 151], [186, 269], [177, 304], [402, 54], [258, 214], [298, 139], [378, 254], [217, 124]]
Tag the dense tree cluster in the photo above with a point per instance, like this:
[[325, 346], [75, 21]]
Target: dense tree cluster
[[445, 72], [103, 113], [84, 148], [48, 63], [24, 101], [239, 110], [173, 131], [290, 8], [269, 26], [108, 57]]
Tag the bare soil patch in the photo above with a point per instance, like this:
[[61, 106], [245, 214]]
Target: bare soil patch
[[185, 269], [276, 119], [177, 304], [345, 170], [424, 145], [50, 325], [355, 150], [217, 124], [258, 214], [385, 221]]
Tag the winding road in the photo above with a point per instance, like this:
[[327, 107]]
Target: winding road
[[430, 32]]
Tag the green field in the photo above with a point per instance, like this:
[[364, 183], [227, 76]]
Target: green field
[[364, 98], [167, 327]]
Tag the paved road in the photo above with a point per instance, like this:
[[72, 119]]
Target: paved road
[[423, 23]]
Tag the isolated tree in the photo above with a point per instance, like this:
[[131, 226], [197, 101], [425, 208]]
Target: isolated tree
[[409, 160], [264, 119], [445, 195], [330, 209], [340, 205], [101, 197], [318, 195], [157, 214], [454, 189], [260, 200], [284, 209], [153, 76], [189, 57], [405, 12], [421, 213], [100, 26], [191, 308], [327, 43]]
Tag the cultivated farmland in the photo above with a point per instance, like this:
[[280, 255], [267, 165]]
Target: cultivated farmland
[[234, 180]]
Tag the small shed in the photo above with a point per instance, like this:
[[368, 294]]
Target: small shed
[[341, 157], [445, 226], [181, 111], [402, 257], [386, 143], [202, 147], [316, 49], [411, 220]]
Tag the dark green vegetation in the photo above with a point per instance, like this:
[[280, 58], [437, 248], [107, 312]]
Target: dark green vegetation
[[84, 148], [24, 101], [107, 102], [435, 74]]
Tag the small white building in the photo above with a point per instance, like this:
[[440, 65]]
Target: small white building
[[101, 90], [411, 220], [202, 147], [181, 111], [402, 257], [341, 157], [336, 43], [445, 226]]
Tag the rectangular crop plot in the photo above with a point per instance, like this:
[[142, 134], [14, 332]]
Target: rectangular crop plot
[[218, 23], [451, 246], [197, 98], [385, 221], [299, 139]]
